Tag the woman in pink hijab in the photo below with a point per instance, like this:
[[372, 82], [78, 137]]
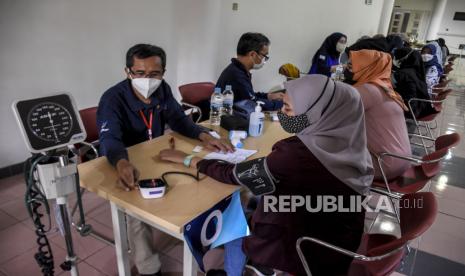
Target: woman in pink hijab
[[327, 156]]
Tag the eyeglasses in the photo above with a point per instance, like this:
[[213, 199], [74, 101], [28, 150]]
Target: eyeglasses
[[142, 74], [263, 55]]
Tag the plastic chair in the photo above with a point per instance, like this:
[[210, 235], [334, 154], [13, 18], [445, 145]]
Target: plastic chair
[[380, 254], [439, 97], [89, 120], [193, 94], [416, 177]]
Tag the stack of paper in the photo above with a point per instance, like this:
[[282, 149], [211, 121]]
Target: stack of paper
[[238, 156]]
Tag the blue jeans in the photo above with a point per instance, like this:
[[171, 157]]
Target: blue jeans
[[234, 258]]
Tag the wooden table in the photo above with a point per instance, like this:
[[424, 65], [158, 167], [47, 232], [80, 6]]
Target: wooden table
[[185, 200]]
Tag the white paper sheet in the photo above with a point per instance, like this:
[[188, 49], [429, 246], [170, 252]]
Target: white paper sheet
[[236, 157]]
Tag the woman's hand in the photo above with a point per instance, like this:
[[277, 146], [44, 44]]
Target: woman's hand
[[171, 155]]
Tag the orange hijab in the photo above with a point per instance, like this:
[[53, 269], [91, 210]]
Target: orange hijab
[[370, 66]]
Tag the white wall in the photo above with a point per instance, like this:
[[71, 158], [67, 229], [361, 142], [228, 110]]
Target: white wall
[[453, 31], [296, 29], [76, 46], [79, 46]]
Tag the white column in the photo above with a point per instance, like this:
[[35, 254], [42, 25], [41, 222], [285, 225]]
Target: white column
[[385, 18], [436, 19]]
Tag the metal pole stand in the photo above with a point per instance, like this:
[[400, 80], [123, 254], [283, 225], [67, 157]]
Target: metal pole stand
[[58, 181], [71, 259]]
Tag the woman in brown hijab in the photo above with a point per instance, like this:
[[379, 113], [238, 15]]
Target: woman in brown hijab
[[327, 156]]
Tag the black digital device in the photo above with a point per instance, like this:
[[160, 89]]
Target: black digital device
[[49, 123], [151, 183]]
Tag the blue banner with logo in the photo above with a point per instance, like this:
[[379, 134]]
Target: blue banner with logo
[[221, 224]]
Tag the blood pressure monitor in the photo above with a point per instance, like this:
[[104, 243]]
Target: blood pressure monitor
[[49, 123]]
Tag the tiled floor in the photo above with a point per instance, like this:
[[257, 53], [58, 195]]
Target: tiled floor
[[441, 249]]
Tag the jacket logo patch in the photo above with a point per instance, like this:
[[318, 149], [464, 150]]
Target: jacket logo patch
[[104, 127]]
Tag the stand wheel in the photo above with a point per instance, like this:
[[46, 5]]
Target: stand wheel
[[66, 266], [85, 230]]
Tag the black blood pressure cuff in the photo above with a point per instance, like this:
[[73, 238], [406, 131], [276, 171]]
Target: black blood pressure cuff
[[255, 175]]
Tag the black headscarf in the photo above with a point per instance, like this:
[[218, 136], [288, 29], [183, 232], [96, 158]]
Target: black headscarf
[[410, 81], [394, 42], [378, 44], [329, 46], [413, 61], [442, 43]]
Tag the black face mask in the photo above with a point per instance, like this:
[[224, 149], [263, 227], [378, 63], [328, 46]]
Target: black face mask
[[293, 124], [349, 77], [296, 124]]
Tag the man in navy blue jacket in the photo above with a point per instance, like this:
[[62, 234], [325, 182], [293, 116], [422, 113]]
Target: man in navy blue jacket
[[136, 110], [252, 53]]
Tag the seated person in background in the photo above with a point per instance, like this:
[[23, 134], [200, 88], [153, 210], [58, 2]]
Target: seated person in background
[[378, 36], [409, 81], [290, 71], [432, 67], [327, 156], [370, 72], [438, 53], [252, 53], [394, 42], [378, 44], [326, 59], [444, 49], [136, 110]]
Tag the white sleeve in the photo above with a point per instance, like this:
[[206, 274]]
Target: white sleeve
[[432, 77]]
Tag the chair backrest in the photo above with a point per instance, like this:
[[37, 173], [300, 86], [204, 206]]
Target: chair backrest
[[193, 93], [442, 145], [89, 119], [417, 213]]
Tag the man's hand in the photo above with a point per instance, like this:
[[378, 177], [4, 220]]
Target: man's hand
[[275, 96], [127, 174], [175, 156], [214, 144]]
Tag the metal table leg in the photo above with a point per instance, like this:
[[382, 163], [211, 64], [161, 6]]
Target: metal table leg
[[189, 264], [121, 240]]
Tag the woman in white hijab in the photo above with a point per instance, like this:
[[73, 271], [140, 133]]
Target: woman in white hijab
[[328, 156]]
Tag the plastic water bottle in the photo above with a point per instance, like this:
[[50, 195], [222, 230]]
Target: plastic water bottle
[[339, 74], [256, 121], [228, 100], [216, 104]]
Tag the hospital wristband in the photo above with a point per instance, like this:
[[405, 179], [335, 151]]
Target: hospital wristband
[[187, 161]]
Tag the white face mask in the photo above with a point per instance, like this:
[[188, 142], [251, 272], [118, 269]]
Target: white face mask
[[340, 47], [146, 86], [260, 65], [426, 57]]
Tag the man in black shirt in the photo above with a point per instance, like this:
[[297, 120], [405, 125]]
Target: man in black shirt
[[252, 53]]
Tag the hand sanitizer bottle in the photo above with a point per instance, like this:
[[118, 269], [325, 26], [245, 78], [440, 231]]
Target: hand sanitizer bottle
[[256, 121]]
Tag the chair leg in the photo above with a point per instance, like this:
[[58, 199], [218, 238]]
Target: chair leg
[[386, 182], [420, 134], [88, 231]]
